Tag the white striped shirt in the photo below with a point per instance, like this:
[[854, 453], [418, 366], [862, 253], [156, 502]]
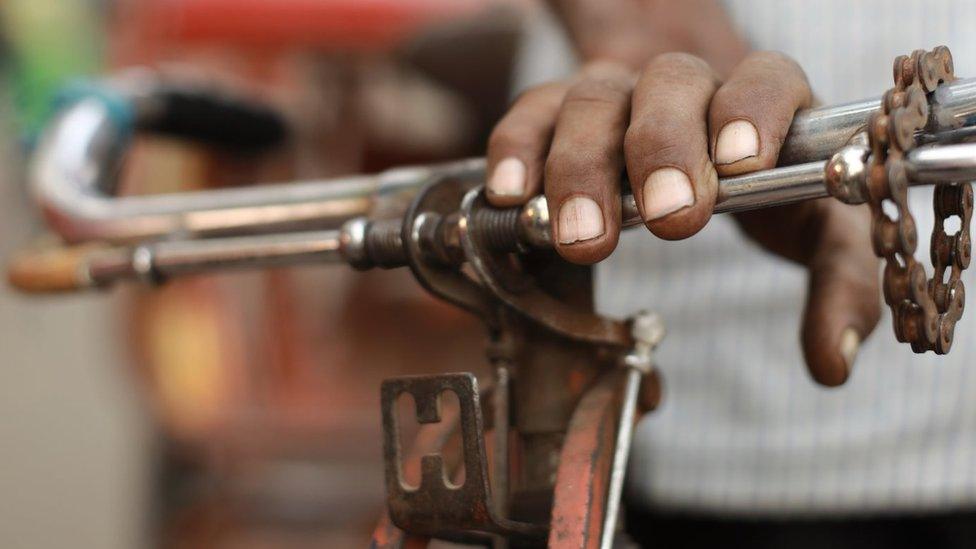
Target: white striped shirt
[[742, 427]]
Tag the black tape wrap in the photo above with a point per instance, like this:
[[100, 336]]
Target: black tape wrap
[[215, 119]]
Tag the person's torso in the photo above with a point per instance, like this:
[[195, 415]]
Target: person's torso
[[742, 427]]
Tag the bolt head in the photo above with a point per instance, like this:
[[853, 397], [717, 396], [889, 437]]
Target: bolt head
[[352, 243], [534, 226], [648, 328], [846, 174]]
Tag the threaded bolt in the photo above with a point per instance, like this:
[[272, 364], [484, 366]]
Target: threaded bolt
[[366, 244], [499, 228]]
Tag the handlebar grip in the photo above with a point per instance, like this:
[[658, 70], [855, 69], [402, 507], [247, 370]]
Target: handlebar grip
[[47, 269], [221, 120]]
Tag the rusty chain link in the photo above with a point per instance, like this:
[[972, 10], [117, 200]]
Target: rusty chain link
[[924, 311]]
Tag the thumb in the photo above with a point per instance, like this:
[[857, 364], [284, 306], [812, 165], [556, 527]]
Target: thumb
[[843, 303]]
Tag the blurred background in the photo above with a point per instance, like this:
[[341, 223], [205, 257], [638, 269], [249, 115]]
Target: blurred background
[[242, 410], [228, 410]]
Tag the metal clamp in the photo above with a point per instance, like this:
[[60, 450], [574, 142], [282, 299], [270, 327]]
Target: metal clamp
[[508, 282]]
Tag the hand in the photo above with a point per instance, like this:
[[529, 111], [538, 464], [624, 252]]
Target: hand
[[676, 128]]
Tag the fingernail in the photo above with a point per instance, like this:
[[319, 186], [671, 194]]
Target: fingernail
[[580, 218], [737, 140], [666, 190], [850, 342], [508, 179]]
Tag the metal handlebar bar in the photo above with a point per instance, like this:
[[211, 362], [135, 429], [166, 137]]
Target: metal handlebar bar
[[73, 172]]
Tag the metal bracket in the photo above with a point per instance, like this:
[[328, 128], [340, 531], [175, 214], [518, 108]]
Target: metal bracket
[[504, 277], [432, 204], [436, 507]]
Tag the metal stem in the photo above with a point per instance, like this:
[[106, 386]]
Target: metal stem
[[499, 477], [625, 433], [162, 260], [942, 163], [756, 190]]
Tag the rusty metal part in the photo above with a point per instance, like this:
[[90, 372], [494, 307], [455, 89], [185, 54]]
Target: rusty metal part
[[553, 362], [501, 274], [500, 466], [430, 439], [501, 354], [585, 463], [437, 507], [429, 234], [924, 311], [647, 330]]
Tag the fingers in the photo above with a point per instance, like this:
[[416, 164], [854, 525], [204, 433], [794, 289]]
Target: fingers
[[585, 164], [751, 113], [666, 146], [843, 304], [843, 300], [748, 120], [519, 143]]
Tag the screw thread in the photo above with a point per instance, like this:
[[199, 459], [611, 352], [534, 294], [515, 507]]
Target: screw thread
[[499, 228], [384, 244]]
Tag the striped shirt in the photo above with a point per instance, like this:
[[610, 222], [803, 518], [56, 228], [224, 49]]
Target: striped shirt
[[742, 427]]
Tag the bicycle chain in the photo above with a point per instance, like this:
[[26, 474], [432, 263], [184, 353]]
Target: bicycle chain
[[924, 311]]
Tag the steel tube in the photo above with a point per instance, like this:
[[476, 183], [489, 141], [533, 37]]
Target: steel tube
[[161, 260], [826, 129], [942, 163], [80, 152], [76, 162], [191, 257], [790, 184], [757, 190], [621, 451]]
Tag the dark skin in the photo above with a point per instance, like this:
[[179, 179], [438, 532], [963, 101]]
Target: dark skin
[[673, 95]]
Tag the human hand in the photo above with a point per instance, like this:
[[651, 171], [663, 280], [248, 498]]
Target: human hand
[[676, 128]]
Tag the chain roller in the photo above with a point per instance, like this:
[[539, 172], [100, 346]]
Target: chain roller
[[925, 311]]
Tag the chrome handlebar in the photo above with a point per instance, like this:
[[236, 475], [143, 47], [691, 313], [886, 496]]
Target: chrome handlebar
[[74, 169]]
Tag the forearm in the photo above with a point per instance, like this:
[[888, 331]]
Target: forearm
[[634, 31]]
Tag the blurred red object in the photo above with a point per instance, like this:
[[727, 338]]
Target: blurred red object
[[301, 24], [264, 385]]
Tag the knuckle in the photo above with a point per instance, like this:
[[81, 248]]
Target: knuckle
[[751, 91], [678, 78], [569, 164], [653, 140], [777, 71], [638, 138], [678, 62], [772, 57], [540, 90], [509, 136], [760, 99], [606, 69], [598, 91]]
